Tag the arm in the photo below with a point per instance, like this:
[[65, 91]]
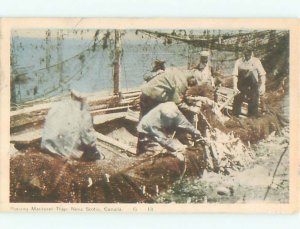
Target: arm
[[186, 108], [148, 76], [87, 132], [183, 123], [235, 79], [262, 77], [212, 76], [160, 137], [235, 74], [263, 80]]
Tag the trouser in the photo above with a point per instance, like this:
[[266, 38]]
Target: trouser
[[90, 153], [146, 105], [249, 92]]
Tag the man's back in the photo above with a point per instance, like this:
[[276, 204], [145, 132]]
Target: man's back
[[164, 115], [67, 125], [167, 85]]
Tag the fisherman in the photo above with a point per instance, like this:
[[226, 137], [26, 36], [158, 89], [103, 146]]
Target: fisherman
[[168, 86], [158, 68], [204, 70], [249, 79], [69, 131], [161, 121]]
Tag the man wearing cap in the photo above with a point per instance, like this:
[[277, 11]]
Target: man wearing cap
[[169, 86], [158, 68], [159, 123], [68, 130], [203, 71], [249, 79]]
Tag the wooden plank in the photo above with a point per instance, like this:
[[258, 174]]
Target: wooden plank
[[110, 109], [27, 110], [101, 119], [96, 97], [31, 136], [27, 137], [225, 90], [116, 143], [130, 95], [132, 116], [129, 100], [28, 116]]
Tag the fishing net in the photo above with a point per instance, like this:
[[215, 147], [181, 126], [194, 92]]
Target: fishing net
[[47, 63]]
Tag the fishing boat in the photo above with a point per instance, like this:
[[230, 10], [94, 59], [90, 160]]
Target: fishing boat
[[124, 177]]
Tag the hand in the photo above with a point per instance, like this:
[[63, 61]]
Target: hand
[[181, 148], [197, 136], [235, 83], [178, 154], [236, 90], [262, 89], [198, 104], [200, 140]]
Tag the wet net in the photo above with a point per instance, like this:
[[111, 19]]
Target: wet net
[[46, 63]]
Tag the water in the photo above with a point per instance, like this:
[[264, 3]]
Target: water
[[74, 63], [87, 71]]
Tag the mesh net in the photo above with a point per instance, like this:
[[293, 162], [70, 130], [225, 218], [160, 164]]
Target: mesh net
[[47, 63]]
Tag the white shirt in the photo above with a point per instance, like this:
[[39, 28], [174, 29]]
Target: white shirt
[[253, 64], [204, 75]]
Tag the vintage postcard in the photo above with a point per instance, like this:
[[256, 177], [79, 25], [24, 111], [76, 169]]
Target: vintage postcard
[[149, 115]]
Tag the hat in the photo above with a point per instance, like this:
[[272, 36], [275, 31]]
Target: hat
[[204, 53], [158, 65], [76, 94]]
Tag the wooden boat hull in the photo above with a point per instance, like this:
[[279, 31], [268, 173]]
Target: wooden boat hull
[[40, 177]]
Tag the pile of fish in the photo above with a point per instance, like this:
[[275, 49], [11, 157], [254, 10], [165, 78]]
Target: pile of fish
[[225, 152]]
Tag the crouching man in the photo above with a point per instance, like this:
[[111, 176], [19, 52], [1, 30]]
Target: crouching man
[[69, 131], [159, 124]]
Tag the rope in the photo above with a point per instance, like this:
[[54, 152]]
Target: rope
[[241, 38], [64, 61], [262, 38], [274, 174], [63, 83]]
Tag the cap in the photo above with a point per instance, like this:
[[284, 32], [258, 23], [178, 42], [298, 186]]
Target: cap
[[157, 61], [158, 65], [204, 53]]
